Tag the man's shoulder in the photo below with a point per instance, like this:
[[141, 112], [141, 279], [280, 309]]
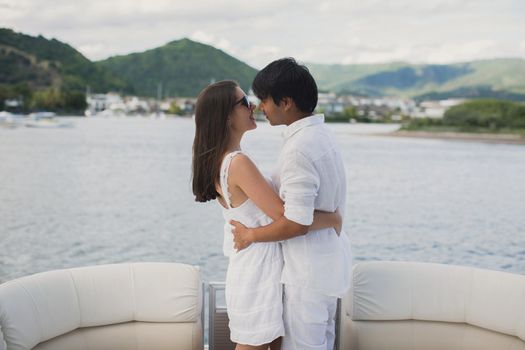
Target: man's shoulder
[[312, 133], [310, 139]]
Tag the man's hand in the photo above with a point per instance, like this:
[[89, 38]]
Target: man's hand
[[242, 236]]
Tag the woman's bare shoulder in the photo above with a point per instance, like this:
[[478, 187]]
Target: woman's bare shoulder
[[242, 165]]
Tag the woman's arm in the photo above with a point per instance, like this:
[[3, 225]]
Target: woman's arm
[[323, 219], [246, 176]]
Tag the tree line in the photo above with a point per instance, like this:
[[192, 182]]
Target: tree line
[[477, 115], [50, 99]]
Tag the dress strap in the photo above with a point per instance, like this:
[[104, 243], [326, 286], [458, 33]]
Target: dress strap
[[225, 168]]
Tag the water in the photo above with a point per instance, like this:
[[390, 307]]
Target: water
[[118, 190]]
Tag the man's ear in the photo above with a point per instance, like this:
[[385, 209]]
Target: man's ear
[[287, 103]]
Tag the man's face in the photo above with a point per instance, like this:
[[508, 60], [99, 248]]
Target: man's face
[[274, 113]]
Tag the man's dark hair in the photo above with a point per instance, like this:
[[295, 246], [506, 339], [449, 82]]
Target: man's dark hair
[[286, 78]]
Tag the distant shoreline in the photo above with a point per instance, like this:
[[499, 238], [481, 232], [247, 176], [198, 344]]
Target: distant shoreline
[[513, 139]]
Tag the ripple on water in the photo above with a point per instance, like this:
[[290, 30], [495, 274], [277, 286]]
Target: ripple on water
[[121, 190]]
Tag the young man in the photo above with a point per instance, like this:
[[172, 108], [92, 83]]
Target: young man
[[310, 176]]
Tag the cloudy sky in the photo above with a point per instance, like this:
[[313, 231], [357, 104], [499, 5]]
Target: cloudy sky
[[256, 32]]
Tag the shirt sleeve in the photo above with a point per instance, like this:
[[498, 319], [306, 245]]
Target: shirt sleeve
[[299, 186]]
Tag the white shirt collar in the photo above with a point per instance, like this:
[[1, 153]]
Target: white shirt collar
[[303, 123]]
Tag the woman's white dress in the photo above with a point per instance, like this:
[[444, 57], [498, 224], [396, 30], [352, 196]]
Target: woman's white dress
[[253, 288]]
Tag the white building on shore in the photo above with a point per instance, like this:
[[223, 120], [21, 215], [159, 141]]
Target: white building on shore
[[435, 109]]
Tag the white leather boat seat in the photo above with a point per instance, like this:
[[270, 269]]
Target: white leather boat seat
[[425, 335], [40, 307], [409, 304], [126, 336]]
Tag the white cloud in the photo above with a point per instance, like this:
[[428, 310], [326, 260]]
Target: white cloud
[[215, 41], [259, 56], [10, 11], [462, 52], [203, 37], [423, 53], [337, 31], [377, 54], [95, 50]]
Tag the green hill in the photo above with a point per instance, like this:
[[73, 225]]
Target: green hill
[[340, 78], [44, 63], [183, 67], [497, 78]]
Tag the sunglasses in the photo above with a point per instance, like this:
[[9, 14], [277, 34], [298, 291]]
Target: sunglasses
[[244, 101]]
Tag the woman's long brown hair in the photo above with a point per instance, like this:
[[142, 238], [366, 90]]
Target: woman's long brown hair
[[214, 105]]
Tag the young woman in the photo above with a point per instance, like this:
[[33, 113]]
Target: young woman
[[222, 172]]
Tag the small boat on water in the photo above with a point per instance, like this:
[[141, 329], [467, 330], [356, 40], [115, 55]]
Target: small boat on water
[[8, 120], [45, 120]]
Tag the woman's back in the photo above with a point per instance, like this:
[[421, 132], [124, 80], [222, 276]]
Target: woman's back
[[246, 213]]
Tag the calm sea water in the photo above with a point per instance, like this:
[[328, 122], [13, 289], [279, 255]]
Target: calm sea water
[[118, 190]]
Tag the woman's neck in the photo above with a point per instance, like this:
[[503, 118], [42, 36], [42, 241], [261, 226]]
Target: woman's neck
[[234, 144]]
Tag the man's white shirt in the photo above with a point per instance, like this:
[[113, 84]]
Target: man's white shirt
[[311, 176]]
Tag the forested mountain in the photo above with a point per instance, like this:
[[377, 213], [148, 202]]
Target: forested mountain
[[43, 63], [497, 78], [183, 67]]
